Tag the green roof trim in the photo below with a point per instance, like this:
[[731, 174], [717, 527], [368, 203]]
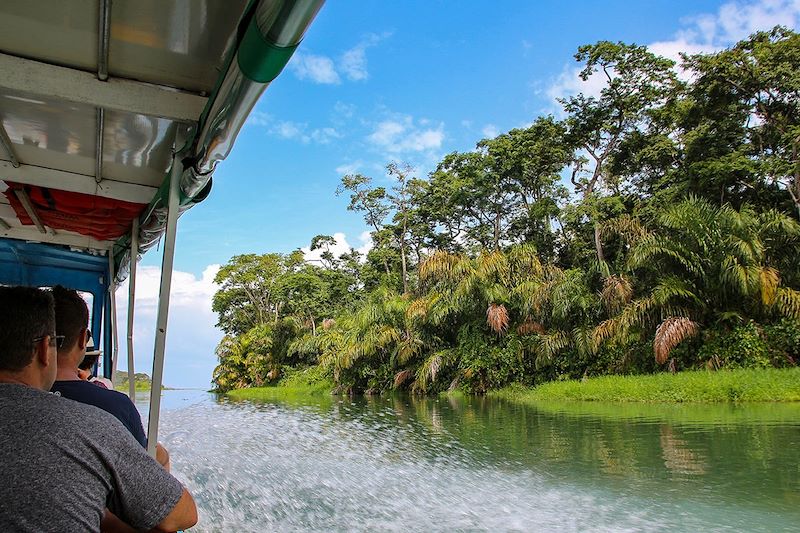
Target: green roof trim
[[259, 59]]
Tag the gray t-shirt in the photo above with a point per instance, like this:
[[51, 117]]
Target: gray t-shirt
[[62, 463]]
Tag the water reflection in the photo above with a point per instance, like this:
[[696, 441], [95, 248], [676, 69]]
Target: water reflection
[[473, 464]]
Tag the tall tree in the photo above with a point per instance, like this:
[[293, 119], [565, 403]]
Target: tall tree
[[635, 80], [400, 199], [369, 200], [246, 296], [751, 93]]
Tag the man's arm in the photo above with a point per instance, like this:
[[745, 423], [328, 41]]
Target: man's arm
[[112, 524], [146, 495], [182, 516], [162, 456]]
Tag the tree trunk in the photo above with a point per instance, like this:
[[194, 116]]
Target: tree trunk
[[794, 187], [403, 262], [497, 230], [403, 257], [598, 243]]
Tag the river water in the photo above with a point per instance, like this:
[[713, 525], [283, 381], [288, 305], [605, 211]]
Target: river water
[[476, 464]]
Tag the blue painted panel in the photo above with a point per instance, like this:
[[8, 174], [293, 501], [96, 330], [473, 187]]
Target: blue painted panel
[[45, 265]]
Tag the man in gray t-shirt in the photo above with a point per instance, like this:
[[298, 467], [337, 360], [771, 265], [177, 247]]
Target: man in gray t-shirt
[[63, 463]]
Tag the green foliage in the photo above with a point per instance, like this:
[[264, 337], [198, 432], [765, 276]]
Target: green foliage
[[741, 347], [676, 247], [771, 385], [142, 381]]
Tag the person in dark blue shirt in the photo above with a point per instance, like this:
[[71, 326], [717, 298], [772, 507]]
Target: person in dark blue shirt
[[72, 317]]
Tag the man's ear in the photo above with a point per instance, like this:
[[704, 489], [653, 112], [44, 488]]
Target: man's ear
[[83, 340], [42, 354]]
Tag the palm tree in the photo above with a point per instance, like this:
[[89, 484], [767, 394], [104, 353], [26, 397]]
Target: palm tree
[[380, 331], [550, 309], [710, 265]]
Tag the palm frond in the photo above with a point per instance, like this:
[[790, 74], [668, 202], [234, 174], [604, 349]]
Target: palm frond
[[617, 292], [418, 309], [497, 318], [430, 368], [671, 332], [524, 262], [529, 328], [401, 377], [788, 302], [769, 279], [493, 266], [627, 227], [583, 341], [548, 346]]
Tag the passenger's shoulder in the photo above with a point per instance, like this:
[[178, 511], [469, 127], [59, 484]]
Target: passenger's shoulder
[[92, 421]]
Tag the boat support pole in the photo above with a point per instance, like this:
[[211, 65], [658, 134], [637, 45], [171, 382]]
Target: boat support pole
[[163, 295], [112, 294], [132, 303]]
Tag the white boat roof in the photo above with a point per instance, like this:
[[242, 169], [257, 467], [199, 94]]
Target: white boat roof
[[91, 95]]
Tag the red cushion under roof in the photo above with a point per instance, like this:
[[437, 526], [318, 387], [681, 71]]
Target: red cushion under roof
[[94, 216]]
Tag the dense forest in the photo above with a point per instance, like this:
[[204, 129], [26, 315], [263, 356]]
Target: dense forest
[[652, 227]]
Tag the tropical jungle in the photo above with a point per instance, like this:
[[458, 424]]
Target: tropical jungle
[[650, 227]]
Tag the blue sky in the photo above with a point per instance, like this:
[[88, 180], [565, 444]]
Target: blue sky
[[376, 81]]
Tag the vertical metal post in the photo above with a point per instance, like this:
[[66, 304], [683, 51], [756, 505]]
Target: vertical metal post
[[112, 294], [98, 156], [6, 142], [131, 303], [163, 296], [103, 37]]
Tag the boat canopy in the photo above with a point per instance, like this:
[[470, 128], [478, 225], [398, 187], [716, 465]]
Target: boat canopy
[[93, 96], [113, 117]]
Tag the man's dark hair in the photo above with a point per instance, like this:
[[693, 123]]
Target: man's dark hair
[[88, 362], [26, 314], [72, 315]]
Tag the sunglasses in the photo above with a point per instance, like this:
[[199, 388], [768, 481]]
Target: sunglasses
[[59, 340]]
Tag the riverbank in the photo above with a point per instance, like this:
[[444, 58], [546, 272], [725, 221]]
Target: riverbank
[[297, 385], [767, 385], [750, 385]]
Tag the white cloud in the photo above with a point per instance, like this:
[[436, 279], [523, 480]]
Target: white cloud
[[490, 131], [701, 34], [340, 247], [737, 20], [259, 118], [349, 168], [353, 62], [319, 69], [325, 135], [673, 49], [569, 83], [287, 129], [401, 134], [342, 112], [191, 335]]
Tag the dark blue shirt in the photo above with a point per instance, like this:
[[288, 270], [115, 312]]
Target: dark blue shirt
[[111, 401]]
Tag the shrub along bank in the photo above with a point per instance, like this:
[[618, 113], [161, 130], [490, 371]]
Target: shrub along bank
[[745, 385]]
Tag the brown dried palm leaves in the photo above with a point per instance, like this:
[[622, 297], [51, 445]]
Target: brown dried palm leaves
[[671, 332], [401, 377], [617, 292], [529, 328], [497, 317]]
